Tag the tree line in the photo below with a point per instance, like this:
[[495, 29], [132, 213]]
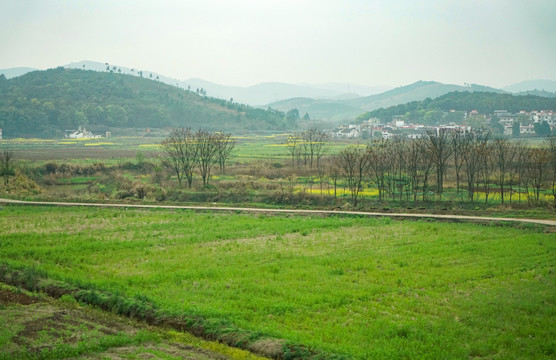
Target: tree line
[[468, 167], [420, 169], [189, 150]]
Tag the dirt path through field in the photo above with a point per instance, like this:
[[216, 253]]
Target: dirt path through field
[[446, 217]]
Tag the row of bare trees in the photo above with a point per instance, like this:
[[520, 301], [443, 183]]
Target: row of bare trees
[[424, 168], [188, 150], [464, 165]]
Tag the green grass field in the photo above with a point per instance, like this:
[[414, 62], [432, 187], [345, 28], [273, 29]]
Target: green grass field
[[361, 287]]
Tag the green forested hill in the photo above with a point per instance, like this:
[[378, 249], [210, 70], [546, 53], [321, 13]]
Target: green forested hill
[[483, 102], [45, 103]]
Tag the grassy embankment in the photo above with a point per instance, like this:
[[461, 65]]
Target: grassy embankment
[[35, 326], [364, 288]]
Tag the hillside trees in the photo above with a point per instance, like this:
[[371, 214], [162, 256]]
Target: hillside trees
[[455, 103], [45, 103]]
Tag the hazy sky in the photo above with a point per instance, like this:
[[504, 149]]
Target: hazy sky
[[244, 42]]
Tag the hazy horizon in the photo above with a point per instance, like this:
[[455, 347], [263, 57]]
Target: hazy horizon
[[242, 43]]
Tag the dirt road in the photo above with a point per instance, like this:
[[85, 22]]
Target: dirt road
[[446, 217]]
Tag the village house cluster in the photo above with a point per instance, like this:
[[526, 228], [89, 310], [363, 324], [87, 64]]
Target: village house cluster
[[526, 120], [373, 128]]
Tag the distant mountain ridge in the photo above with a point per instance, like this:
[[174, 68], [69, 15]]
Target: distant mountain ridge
[[255, 95], [331, 101], [346, 109], [15, 72], [532, 85]]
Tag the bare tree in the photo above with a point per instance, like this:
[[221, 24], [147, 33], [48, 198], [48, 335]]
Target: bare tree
[[512, 169], [207, 148], [418, 165], [457, 142], [334, 171], [354, 162], [520, 168], [552, 168], [398, 151], [503, 156], [536, 169], [486, 165], [471, 156], [378, 165], [315, 143], [293, 146], [225, 144], [7, 164], [440, 150], [181, 149]]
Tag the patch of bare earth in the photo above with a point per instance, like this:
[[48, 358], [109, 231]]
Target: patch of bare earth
[[9, 297], [157, 352], [38, 324]]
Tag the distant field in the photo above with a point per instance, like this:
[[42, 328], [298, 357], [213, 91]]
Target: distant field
[[111, 150], [361, 287], [68, 150]]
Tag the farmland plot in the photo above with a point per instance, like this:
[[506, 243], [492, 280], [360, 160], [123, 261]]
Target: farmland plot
[[359, 287]]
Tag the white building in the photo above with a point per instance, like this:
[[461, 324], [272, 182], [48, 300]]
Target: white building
[[349, 131], [80, 134]]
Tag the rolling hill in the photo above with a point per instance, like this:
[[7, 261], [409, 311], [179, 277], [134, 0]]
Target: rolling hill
[[45, 103], [529, 85], [348, 109], [258, 94], [255, 95], [332, 102], [483, 102], [14, 72]]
